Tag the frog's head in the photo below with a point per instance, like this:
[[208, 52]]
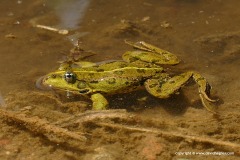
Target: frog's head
[[67, 81]]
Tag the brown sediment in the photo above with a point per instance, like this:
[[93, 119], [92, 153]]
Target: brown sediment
[[39, 126], [223, 145]]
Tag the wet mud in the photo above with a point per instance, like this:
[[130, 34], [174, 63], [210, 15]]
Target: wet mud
[[38, 124]]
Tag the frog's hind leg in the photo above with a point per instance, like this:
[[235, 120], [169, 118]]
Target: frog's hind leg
[[164, 87], [149, 53]]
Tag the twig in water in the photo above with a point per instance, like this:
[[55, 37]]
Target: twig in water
[[231, 147], [89, 116], [60, 31], [38, 126]]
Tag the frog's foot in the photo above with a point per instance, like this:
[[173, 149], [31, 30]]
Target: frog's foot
[[165, 87], [99, 102], [149, 53]]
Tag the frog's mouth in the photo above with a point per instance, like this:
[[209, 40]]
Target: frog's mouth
[[39, 84]]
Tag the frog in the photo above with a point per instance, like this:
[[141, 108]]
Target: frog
[[140, 68]]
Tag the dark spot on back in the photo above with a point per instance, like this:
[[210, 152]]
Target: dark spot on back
[[93, 81], [111, 81], [100, 70]]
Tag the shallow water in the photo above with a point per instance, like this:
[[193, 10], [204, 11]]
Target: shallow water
[[205, 35]]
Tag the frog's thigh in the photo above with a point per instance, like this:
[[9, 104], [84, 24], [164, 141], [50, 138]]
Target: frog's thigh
[[164, 88], [99, 101], [85, 64], [150, 57]]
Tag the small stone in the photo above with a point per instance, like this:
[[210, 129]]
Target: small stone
[[165, 24], [8, 152], [146, 18], [11, 36]]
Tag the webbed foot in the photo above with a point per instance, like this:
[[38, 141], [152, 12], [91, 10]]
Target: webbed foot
[[166, 86]]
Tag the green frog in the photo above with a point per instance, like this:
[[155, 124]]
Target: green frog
[[141, 67]]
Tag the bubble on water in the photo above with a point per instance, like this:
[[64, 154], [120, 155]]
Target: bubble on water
[[70, 12]]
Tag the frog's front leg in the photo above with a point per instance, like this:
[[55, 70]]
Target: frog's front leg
[[99, 101], [165, 87], [149, 53]]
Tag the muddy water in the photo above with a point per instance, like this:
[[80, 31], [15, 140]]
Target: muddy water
[[205, 35]]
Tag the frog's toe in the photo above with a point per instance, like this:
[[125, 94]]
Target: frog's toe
[[206, 103], [207, 97]]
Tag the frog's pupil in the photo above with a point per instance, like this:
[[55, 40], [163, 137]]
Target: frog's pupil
[[70, 77]]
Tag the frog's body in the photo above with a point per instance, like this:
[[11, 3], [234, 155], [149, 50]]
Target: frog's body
[[139, 68]]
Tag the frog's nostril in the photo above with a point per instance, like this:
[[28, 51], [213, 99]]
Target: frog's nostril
[[53, 76]]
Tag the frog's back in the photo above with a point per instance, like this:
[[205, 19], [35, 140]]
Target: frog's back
[[117, 79]]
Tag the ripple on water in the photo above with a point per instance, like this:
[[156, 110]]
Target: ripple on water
[[2, 101]]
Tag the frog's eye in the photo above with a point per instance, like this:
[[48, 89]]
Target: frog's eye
[[70, 77]]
